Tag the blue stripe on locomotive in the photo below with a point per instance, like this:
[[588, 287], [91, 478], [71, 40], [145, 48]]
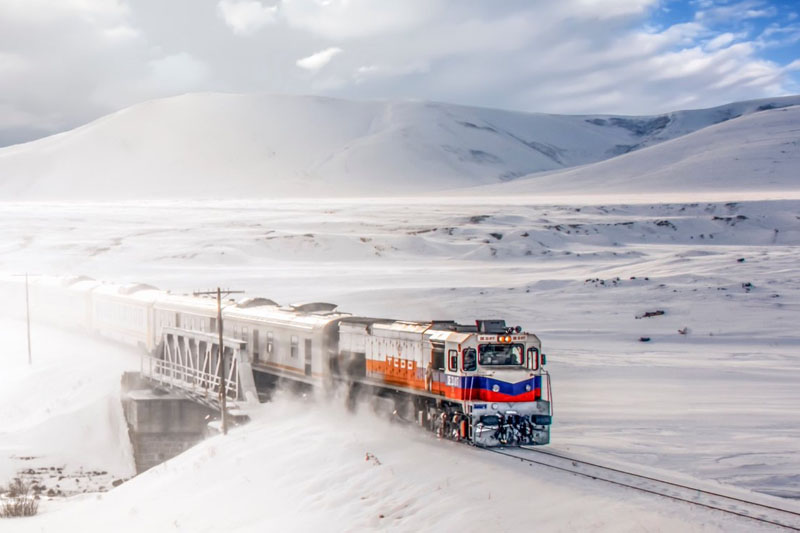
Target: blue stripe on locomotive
[[486, 383]]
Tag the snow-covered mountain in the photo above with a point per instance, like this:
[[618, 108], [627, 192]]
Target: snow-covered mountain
[[757, 153], [244, 146]]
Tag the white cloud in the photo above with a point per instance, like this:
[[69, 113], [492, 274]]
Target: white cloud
[[121, 33], [567, 56], [366, 72], [343, 19], [177, 73], [603, 9], [737, 11], [775, 35], [318, 60], [93, 11], [11, 63], [246, 17], [720, 41]]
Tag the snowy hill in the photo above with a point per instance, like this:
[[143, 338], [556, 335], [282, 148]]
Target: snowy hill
[[757, 153], [245, 146]]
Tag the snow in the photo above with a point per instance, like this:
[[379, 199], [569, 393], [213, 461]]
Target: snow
[[757, 154], [303, 464], [701, 224], [715, 405], [255, 146], [59, 417]]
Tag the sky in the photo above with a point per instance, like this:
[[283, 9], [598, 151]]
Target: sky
[[64, 63]]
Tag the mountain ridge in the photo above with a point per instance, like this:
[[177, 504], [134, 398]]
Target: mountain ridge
[[211, 145]]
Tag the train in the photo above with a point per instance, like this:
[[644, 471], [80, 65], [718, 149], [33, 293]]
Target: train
[[483, 383]]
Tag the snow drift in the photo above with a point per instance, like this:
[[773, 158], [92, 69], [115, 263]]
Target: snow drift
[[248, 146]]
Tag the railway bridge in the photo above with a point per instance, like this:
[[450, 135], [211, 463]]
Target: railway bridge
[[180, 388]]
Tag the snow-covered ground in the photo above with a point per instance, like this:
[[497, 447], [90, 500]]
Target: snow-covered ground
[[299, 465], [717, 403], [61, 421]]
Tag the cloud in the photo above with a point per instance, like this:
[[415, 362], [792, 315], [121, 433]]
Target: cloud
[[318, 60], [720, 41], [177, 73], [121, 33], [570, 56], [345, 19], [246, 17], [366, 72], [737, 11], [604, 9]]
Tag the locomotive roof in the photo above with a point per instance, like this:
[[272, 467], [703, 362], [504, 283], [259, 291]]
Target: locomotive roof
[[449, 336]]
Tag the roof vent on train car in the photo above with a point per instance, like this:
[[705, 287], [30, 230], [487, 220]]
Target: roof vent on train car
[[246, 303], [491, 326], [136, 287], [314, 307], [451, 325]]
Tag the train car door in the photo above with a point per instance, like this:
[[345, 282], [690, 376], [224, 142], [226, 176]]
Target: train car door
[[254, 347], [452, 374], [308, 357]]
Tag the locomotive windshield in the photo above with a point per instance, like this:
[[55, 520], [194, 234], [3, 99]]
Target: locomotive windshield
[[500, 354]]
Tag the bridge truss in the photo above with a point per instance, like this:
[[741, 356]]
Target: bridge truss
[[188, 361]]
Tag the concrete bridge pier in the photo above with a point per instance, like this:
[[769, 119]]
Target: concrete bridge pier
[[162, 425]]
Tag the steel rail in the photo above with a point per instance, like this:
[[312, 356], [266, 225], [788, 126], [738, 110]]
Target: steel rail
[[634, 476]]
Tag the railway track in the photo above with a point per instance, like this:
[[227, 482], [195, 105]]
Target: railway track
[[764, 513]]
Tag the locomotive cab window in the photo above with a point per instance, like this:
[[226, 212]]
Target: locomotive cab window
[[452, 360], [295, 346], [470, 360], [269, 342], [533, 358], [500, 354]]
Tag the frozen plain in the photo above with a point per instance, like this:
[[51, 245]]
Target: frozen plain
[[718, 403]]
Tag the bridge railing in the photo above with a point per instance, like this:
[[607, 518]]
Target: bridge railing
[[172, 374]]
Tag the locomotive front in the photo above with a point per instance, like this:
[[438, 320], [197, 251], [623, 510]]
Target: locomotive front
[[503, 382]]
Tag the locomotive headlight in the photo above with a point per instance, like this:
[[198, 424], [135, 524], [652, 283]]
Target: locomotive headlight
[[528, 388], [495, 388]]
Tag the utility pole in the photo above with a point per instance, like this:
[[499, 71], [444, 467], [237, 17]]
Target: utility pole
[[28, 317], [223, 397]]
